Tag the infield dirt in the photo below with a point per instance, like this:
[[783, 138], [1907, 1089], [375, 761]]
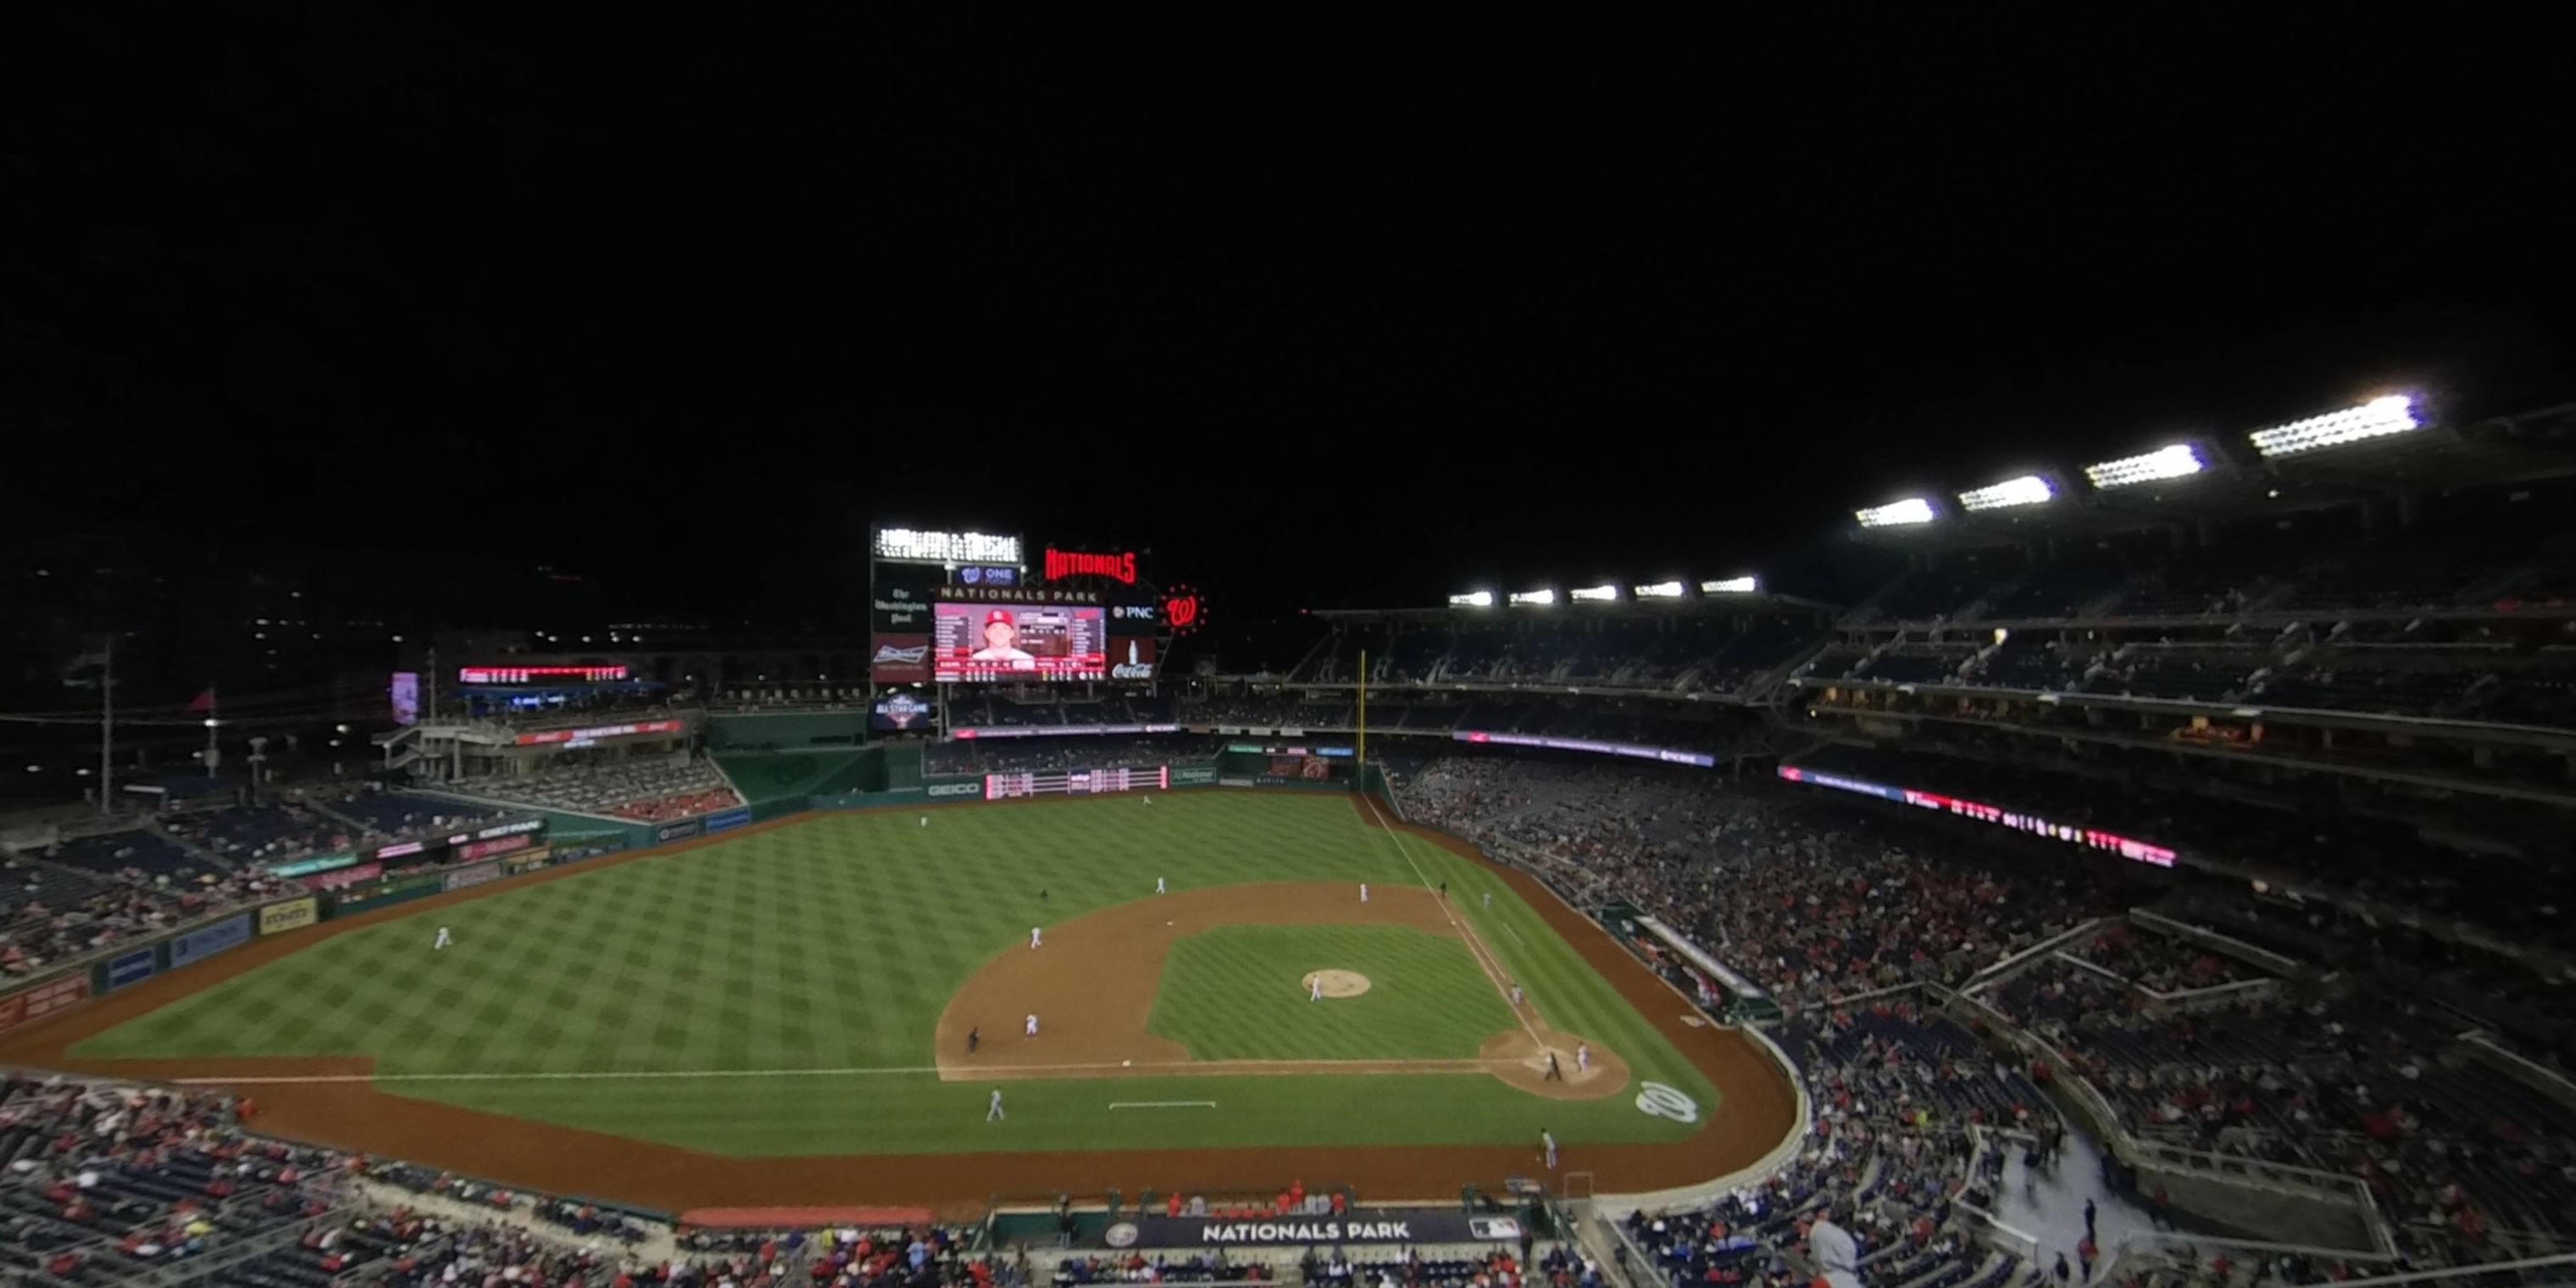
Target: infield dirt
[[1759, 1110]]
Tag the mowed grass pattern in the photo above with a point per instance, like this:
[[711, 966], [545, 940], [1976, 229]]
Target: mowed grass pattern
[[1234, 994], [808, 966]]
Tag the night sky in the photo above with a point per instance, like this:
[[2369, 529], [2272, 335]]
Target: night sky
[[1327, 312]]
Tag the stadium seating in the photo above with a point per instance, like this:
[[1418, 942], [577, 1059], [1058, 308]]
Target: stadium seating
[[647, 790]]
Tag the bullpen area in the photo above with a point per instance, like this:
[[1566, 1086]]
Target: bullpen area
[[822, 1010]]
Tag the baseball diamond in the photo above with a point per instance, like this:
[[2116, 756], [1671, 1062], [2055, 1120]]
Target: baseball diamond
[[644, 1018]]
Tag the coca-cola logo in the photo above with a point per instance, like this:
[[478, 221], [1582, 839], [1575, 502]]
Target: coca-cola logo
[[912, 656]]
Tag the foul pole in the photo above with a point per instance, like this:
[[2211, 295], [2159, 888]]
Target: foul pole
[[1363, 752]]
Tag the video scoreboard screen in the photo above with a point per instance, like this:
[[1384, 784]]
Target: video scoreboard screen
[[1076, 782], [1019, 642]]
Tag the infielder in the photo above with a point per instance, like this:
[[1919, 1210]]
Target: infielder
[[1033, 1024], [1516, 994], [974, 1039], [1582, 1057], [1555, 1072], [1158, 885], [1363, 892], [995, 1113], [1034, 938], [442, 940]]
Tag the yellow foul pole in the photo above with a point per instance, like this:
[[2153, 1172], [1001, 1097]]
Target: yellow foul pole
[[1363, 756]]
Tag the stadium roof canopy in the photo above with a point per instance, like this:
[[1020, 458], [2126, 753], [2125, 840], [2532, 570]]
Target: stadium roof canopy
[[2237, 483]]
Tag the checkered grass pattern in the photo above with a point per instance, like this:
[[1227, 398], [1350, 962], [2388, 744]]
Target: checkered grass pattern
[[1234, 994]]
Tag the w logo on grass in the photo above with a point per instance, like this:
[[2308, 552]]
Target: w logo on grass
[[1659, 1101]]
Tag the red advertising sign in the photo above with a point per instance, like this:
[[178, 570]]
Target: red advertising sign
[[345, 877], [546, 736], [42, 1000], [901, 659], [471, 851], [1061, 564]]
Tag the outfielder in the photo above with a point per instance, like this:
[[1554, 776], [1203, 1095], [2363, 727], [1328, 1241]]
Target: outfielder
[[1363, 892], [995, 1113], [1034, 938], [1489, 899], [925, 820], [1158, 885], [442, 940], [1033, 1024]]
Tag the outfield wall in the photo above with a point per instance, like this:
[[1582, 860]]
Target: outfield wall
[[126, 965]]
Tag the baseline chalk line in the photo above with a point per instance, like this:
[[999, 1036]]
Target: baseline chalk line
[[1162, 1104]]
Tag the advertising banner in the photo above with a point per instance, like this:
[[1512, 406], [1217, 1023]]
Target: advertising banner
[[589, 849], [1664, 754], [1132, 658], [727, 820], [473, 850], [308, 867], [43, 1000], [968, 790], [1193, 775], [902, 657], [290, 915], [585, 737], [460, 878], [679, 831], [346, 877], [1381, 1226], [903, 606], [901, 713], [206, 941], [2126, 847], [130, 968], [1054, 731], [543, 856]]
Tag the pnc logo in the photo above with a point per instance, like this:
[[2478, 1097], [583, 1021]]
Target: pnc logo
[[1061, 564]]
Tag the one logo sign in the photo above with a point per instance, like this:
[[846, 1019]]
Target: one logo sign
[[1061, 564], [1121, 1235], [1656, 1100]]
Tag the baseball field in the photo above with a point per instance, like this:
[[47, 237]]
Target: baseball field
[[781, 1013]]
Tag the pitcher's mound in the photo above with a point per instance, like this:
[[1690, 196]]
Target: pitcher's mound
[[1521, 1060], [1337, 983]]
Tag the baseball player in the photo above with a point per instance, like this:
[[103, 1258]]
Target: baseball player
[[1489, 900], [443, 939], [1583, 1057], [1363, 892], [1032, 1030], [1158, 885], [1315, 987], [1034, 938], [925, 820], [1547, 1141], [995, 1113], [1516, 994], [1555, 1073]]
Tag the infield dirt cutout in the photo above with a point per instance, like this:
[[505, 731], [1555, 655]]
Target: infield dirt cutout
[[1335, 983], [1092, 988]]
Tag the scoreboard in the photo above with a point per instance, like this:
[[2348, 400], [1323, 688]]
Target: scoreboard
[[1076, 782]]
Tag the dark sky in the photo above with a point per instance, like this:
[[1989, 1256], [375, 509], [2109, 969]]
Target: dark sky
[[1326, 310]]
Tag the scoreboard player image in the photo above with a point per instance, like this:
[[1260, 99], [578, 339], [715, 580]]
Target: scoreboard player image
[[1019, 641]]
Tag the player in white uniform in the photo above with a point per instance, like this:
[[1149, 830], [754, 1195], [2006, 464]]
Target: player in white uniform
[[1363, 892], [442, 940], [1315, 987], [1516, 994], [1548, 1139], [1582, 1057], [1033, 1024], [925, 820], [995, 1113], [1158, 885], [1034, 938], [1489, 898]]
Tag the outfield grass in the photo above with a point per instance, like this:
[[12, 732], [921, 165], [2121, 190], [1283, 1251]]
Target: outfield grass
[[1232, 994], [808, 966]]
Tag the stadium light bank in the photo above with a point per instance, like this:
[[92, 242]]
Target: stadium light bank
[[2177, 461], [1473, 599], [2029, 489], [1594, 594], [2394, 414], [1896, 514], [1533, 598], [1660, 590], [1745, 585]]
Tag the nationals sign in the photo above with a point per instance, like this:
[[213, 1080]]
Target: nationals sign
[[1061, 564]]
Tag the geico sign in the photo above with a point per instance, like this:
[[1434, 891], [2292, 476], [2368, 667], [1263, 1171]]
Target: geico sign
[[956, 789]]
